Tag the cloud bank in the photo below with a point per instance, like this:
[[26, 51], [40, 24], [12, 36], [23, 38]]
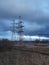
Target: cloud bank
[[35, 15]]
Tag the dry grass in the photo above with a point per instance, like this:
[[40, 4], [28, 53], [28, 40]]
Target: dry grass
[[26, 54]]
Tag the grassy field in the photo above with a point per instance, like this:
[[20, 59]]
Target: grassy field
[[27, 54]]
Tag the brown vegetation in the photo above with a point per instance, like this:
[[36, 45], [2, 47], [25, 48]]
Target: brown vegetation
[[28, 54]]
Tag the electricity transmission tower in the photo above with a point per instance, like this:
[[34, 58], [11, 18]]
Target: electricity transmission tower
[[17, 27], [20, 29], [13, 29]]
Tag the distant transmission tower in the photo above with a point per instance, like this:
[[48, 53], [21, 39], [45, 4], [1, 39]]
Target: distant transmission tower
[[13, 29], [17, 27], [20, 29]]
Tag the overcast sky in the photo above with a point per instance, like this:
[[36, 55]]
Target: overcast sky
[[35, 15]]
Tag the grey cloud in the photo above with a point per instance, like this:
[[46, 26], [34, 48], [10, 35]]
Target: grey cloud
[[28, 9], [32, 12]]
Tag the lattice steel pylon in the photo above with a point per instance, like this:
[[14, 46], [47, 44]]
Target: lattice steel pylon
[[13, 29], [20, 29], [17, 27]]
